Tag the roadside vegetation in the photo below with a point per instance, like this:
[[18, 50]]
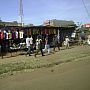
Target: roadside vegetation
[[63, 56]]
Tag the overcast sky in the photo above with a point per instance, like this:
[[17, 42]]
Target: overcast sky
[[37, 11]]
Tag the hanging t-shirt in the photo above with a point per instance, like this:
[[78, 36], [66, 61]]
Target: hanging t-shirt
[[16, 34], [55, 31], [21, 34], [6, 35], [29, 32], [73, 35], [35, 31], [2, 35], [12, 35], [46, 31], [9, 35], [51, 31], [43, 31]]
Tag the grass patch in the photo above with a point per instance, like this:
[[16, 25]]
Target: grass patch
[[10, 68]]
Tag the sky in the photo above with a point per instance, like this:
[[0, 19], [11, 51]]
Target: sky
[[37, 11]]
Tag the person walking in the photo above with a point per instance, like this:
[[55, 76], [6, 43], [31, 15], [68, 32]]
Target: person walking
[[47, 44], [28, 46], [67, 42], [31, 44], [39, 46], [56, 43]]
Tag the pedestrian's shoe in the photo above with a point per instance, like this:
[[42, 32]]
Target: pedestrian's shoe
[[43, 55]]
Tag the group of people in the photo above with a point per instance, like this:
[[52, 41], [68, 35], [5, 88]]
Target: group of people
[[39, 44]]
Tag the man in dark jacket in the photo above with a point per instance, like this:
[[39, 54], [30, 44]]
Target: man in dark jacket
[[56, 42]]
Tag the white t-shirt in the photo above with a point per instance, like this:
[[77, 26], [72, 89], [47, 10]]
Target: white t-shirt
[[88, 41], [37, 43], [28, 41], [16, 34], [67, 40], [21, 34], [31, 40], [73, 35], [6, 35]]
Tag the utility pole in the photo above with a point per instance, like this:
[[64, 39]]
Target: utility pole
[[0, 19], [21, 13]]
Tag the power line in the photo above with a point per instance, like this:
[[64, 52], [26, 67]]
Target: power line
[[86, 9]]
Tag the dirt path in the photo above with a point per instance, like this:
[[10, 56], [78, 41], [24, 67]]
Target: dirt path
[[73, 75], [70, 76]]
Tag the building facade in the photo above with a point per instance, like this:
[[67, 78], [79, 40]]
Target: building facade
[[58, 23], [14, 23]]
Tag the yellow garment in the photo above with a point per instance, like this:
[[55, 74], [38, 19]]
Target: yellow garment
[[21, 34]]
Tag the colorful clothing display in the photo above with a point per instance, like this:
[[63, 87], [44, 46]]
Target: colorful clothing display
[[9, 35], [16, 34], [13, 35], [2, 35], [35, 31], [21, 34], [6, 35], [46, 31]]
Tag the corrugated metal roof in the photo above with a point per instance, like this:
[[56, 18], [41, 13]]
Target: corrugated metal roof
[[62, 23]]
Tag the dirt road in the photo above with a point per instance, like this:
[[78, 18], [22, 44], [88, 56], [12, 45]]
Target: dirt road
[[70, 76], [73, 75]]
